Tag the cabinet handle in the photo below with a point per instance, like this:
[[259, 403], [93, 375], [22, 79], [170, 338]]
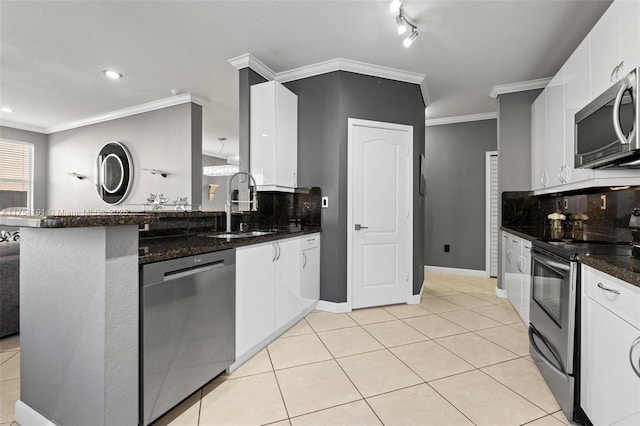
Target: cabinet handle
[[278, 246], [508, 258], [518, 264], [310, 240], [633, 366], [304, 258], [561, 176], [567, 173], [275, 252], [295, 179], [610, 290], [544, 179]]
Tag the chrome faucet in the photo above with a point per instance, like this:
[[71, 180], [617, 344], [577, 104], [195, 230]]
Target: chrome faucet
[[253, 202]]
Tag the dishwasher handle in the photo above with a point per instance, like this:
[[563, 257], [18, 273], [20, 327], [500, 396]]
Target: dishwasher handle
[[174, 275]]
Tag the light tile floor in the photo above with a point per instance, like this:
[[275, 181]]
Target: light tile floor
[[458, 358]]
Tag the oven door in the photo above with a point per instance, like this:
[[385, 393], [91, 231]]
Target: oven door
[[552, 324]]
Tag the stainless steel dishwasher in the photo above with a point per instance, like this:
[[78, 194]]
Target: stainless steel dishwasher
[[188, 327]]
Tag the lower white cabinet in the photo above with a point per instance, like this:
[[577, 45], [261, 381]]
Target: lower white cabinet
[[610, 344], [276, 283], [310, 272], [516, 277]]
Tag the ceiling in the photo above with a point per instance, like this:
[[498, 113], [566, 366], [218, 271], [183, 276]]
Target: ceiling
[[53, 52]]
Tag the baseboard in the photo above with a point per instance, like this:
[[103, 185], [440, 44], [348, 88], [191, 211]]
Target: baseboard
[[501, 293], [456, 271], [415, 299], [333, 307], [26, 415]]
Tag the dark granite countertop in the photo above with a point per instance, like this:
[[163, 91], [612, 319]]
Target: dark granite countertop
[[93, 218], [165, 248], [625, 268]]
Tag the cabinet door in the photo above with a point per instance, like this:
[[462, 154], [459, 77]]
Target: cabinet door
[[525, 279], [254, 295], [577, 92], [539, 179], [288, 302], [287, 140], [553, 159], [262, 149], [513, 283], [610, 389], [629, 27], [605, 50], [310, 277]]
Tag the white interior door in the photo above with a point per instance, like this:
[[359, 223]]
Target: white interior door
[[492, 213], [379, 213]]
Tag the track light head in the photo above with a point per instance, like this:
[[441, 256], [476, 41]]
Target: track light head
[[410, 38], [401, 25], [395, 5]]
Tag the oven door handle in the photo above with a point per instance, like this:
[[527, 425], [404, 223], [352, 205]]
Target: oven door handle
[[553, 264], [532, 332]]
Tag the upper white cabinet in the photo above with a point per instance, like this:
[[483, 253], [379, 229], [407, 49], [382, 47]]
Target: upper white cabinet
[[274, 137], [539, 177], [610, 350], [614, 40], [554, 161]]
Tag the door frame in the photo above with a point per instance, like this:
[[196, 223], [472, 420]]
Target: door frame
[[353, 122], [487, 201]]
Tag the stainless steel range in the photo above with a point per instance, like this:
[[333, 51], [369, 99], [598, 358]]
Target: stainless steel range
[[554, 328]]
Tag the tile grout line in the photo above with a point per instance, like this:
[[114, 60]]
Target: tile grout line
[[273, 368]]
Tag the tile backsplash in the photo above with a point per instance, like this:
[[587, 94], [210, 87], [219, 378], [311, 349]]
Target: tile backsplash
[[608, 210]]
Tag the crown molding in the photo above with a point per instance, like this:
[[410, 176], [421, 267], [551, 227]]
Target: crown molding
[[249, 61], [20, 126], [126, 112], [461, 119], [521, 86], [341, 64]]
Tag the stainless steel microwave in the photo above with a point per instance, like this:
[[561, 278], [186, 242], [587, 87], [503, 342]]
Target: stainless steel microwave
[[606, 130]]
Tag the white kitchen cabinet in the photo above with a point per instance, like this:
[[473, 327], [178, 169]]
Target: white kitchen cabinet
[[254, 295], [517, 273], [539, 178], [614, 41], [274, 136], [553, 159], [310, 271], [609, 387], [286, 264], [576, 96], [277, 283]]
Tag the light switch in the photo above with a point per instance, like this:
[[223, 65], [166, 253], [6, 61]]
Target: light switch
[[325, 202]]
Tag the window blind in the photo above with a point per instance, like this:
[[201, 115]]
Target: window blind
[[15, 166]]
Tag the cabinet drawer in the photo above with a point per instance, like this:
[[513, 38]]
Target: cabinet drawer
[[602, 288], [309, 241]]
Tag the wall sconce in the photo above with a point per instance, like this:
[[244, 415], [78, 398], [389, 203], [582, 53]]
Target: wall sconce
[[158, 172], [77, 175]]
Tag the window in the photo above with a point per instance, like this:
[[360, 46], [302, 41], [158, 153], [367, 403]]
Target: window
[[16, 175]]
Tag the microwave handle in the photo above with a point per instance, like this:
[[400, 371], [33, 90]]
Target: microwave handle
[[616, 112]]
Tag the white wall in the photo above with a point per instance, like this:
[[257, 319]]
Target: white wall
[[220, 196], [167, 139]]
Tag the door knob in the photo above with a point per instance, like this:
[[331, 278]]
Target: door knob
[[359, 227]]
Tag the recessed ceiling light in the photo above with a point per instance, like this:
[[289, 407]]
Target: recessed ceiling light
[[114, 75], [6, 109]]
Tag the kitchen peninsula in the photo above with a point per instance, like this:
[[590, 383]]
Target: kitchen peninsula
[[80, 305]]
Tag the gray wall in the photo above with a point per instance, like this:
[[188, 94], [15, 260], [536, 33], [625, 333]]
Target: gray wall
[[514, 148], [456, 180], [40, 152], [325, 103], [168, 139]]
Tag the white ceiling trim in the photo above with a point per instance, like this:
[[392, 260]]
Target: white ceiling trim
[[20, 126], [249, 61], [341, 64], [461, 119], [521, 86], [126, 112]]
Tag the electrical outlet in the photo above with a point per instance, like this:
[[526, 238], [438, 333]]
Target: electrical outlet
[[603, 202], [566, 203], [446, 248], [325, 202]]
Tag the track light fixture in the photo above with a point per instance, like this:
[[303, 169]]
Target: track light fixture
[[403, 23], [410, 39], [395, 5]]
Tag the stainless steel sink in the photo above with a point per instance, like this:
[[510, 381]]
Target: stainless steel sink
[[232, 235]]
